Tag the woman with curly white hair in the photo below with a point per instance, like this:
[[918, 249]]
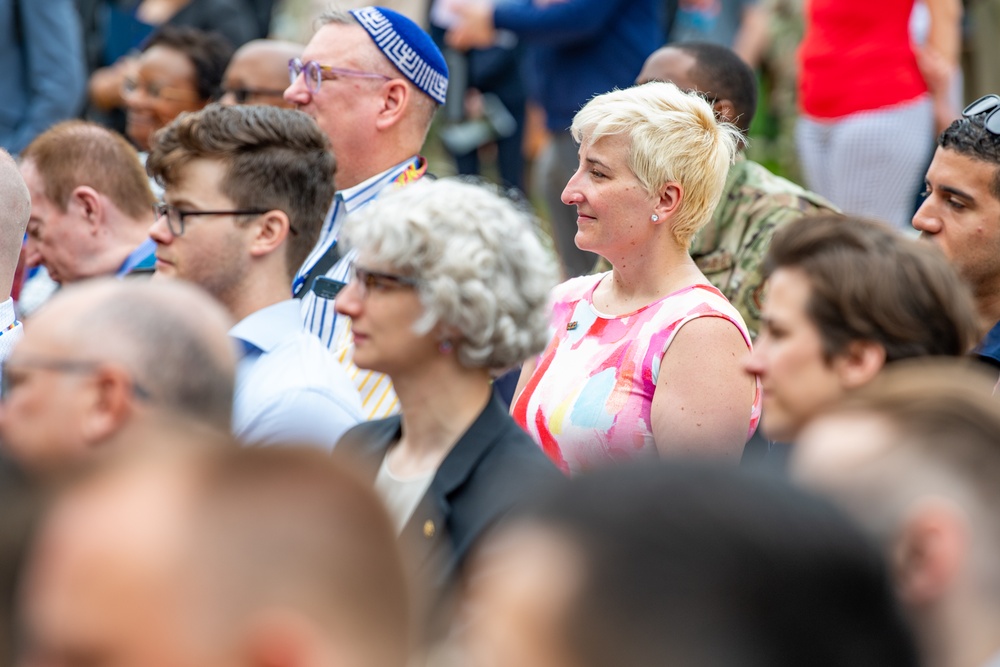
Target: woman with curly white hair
[[450, 284], [645, 360]]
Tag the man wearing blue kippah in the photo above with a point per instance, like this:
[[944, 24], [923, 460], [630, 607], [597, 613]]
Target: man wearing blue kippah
[[372, 79]]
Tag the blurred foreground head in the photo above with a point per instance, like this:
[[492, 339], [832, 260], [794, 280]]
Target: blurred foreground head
[[108, 361], [228, 556], [683, 565], [915, 456]]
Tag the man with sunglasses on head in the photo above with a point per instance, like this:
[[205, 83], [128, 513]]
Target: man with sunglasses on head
[[245, 190], [258, 73], [961, 211], [372, 79]]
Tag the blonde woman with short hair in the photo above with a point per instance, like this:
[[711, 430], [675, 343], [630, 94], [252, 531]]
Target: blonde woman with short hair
[[645, 359]]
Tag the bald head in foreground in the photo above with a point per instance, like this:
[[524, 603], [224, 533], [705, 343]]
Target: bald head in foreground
[[234, 556], [258, 73], [106, 361]]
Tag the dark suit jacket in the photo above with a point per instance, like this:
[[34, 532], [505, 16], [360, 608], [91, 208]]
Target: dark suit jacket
[[491, 468]]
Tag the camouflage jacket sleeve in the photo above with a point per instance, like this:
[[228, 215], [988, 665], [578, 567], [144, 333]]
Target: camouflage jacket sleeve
[[730, 250]]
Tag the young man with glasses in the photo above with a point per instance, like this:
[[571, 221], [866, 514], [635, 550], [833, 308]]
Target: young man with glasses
[[961, 211], [246, 189], [372, 79]]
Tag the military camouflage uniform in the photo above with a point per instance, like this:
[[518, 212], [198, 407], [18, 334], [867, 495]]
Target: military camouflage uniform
[[730, 249]]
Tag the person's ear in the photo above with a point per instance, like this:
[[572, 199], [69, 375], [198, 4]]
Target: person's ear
[[271, 230], [111, 403], [859, 363], [930, 551], [671, 195], [396, 98], [91, 206], [725, 110]]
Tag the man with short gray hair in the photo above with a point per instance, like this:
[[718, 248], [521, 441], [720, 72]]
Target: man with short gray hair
[[106, 362], [15, 207]]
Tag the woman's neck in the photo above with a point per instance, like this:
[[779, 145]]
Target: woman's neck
[[645, 277], [438, 406]]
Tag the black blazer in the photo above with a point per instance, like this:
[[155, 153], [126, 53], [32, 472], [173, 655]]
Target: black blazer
[[494, 466]]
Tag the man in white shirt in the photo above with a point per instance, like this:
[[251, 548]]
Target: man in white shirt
[[372, 79], [15, 207], [915, 458], [246, 188]]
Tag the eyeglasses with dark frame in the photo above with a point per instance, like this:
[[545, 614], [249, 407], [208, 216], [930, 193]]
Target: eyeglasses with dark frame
[[315, 73], [175, 216], [242, 94], [377, 281], [992, 121], [157, 91], [9, 372]]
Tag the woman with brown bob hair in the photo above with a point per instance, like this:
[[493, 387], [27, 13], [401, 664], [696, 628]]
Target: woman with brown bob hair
[[845, 297]]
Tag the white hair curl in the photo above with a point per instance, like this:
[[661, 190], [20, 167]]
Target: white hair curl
[[483, 271]]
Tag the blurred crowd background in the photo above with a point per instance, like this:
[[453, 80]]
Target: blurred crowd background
[[670, 381]]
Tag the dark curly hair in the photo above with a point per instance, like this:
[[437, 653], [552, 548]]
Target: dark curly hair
[[209, 52], [969, 136]]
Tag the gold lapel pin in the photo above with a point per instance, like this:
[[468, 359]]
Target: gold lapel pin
[[429, 528], [571, 326]]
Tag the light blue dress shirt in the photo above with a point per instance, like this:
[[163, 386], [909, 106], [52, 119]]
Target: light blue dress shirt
[[142, 258], [289, 387]]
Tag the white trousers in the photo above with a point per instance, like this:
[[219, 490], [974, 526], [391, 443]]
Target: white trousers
[[870, 163]]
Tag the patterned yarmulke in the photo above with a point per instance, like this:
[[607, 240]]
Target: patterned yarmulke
[[408, 47]]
